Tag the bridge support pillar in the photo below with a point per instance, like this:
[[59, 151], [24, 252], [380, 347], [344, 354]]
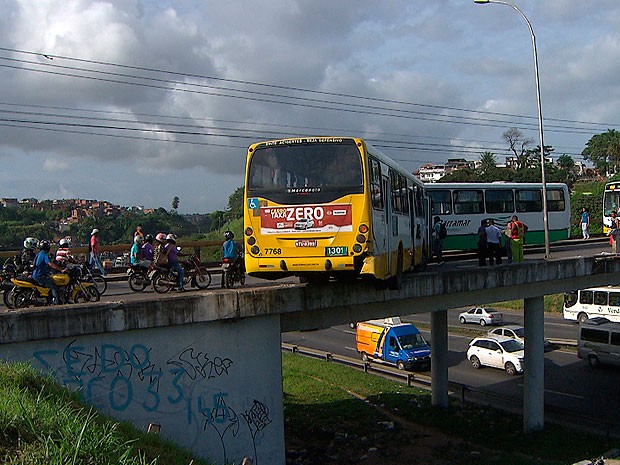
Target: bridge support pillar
[[439, 359], [534, 376]]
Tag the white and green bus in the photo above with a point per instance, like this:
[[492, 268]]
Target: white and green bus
[[462, 206], [583, 304]]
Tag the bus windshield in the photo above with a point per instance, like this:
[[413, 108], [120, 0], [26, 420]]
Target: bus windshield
[[313, 169], [611, 202]]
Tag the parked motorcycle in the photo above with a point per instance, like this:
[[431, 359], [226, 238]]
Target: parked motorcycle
[[71, 289], [138, 277], [232, 272], [194, 275]]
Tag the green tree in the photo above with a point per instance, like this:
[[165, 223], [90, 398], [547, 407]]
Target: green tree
[[462, 175], [235, 204], [604, 151], [488, 163], [175, 203]]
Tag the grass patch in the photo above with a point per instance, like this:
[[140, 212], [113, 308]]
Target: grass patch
[[553, 304], [41, 423], [336, 414]]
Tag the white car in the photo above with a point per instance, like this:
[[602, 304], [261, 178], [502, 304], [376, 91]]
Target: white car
[[498, 352], [482, 316], [513, 331], [304, 223]]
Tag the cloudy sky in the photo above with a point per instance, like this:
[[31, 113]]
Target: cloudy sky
[[140, 101]]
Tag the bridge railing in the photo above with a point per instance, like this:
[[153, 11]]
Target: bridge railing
[[204, 249]]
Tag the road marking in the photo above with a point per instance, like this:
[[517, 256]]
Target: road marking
[[560, 393]]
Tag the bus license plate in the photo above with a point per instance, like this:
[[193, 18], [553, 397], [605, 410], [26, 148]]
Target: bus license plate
[[336, 251]]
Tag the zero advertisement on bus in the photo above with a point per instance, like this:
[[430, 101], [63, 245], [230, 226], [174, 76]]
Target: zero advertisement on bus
[[306, 218]]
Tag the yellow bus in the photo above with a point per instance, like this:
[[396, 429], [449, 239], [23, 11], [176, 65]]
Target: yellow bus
[[611, 202], [331, 207]]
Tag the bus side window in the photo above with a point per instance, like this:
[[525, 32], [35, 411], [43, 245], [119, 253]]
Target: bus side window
[[376, 192], [600, 298], [555, 200], [614, 299], [441, 202], [615, 339], [586, 297], [529, 200]]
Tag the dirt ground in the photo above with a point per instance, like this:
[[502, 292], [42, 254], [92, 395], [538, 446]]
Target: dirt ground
[[396, 442]]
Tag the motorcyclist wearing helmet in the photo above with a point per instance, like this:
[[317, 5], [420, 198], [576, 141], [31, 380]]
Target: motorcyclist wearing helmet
[[160, 256], [41, 273], [63, 254], [173, 259], [232, 250], [135, 255], [25, 261], [147, 252]]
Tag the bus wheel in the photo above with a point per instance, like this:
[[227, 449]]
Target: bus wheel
[[582, 317], [396, 282]]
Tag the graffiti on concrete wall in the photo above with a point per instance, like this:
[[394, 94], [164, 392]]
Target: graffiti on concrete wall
[[135, 379]]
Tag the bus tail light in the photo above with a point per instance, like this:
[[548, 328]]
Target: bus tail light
[[255, 250], [251, 240], [357, 248], [249, 231], [363, 228], [360, 238]]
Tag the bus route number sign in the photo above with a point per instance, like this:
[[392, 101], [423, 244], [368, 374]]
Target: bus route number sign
[[338, 251]]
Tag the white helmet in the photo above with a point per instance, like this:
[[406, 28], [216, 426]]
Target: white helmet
[[31, 243], [64, 242], [138, 240], [171, 237], [94, 231]]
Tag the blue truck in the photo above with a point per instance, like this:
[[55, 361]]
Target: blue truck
[[392, 342]]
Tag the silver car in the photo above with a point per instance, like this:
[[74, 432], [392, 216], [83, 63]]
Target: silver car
[[482, 316]]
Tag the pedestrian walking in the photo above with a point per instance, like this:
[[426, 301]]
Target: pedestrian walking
[[494, 242], [93, 249], [517, 239], [585, 223], [482, 243]]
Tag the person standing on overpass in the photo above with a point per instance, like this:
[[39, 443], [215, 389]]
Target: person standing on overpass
[[517, 239]]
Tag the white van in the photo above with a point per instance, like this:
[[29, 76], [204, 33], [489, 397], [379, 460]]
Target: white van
[[599, 342]]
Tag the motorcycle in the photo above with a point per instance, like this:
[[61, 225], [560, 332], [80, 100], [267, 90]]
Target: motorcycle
[[232, 272], [71, 289], [138, 277], [194, 275]]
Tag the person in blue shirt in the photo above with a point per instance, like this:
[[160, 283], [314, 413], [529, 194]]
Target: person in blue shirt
[[41, 273], [585, 223], [232, 250]]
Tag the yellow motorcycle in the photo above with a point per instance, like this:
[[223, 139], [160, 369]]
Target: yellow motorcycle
[[71, 289]]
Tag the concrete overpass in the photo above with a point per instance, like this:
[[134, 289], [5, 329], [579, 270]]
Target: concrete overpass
[[207, 367]]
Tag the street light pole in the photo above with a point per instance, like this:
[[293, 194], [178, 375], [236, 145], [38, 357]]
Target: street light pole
[[540, 121]]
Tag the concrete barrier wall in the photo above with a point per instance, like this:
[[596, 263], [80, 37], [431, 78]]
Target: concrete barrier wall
[[215, 388]]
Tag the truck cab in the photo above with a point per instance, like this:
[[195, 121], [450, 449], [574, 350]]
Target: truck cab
[[392, 342]]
